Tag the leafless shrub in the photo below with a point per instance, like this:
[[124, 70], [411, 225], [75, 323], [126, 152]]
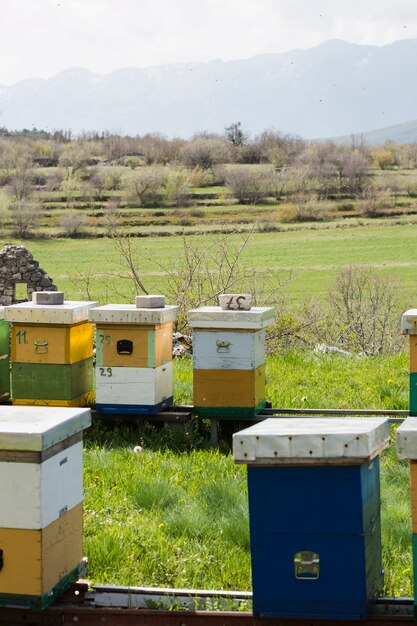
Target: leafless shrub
[[246, 184], [303, 209], [361, 314], [144, 186], [24, 216], [73, 223], [266, 225]]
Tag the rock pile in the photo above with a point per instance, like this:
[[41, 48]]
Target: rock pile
[[17, 265]]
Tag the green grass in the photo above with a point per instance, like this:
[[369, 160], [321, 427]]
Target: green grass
[[313, 256], [175, 513]]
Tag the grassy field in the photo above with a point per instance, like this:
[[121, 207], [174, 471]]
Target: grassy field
[[175, 513], [313, 256]]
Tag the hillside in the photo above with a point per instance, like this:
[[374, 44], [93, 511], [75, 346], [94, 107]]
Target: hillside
[[334, 89]]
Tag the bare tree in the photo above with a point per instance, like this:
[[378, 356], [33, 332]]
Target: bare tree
[[144, 186], [24, 215]]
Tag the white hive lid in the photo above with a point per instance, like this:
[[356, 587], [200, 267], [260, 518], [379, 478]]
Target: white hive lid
[[2, 308], [256, 318], [38, 428], [71, 312], [129, 314], [409, 322], [298, 440], [407, 439]]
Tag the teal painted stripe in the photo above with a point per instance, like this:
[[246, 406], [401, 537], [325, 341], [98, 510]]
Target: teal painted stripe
[[414, 545], [43, 601], [99, 347], [229, 412], [151, 348]]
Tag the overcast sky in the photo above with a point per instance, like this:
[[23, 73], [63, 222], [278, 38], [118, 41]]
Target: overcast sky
[[39, 38]]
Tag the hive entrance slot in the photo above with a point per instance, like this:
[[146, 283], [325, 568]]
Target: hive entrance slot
[[124, 346]]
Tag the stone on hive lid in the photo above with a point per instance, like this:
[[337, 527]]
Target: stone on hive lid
[[292, 440], [48, 297], [235, 301], [150, 302]]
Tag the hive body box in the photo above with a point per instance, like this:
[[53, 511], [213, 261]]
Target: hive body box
[[41, 490], [134, 358], [409, 327], [52, 350], [4, 357], [229, 360], [314, 510], [407, 449]]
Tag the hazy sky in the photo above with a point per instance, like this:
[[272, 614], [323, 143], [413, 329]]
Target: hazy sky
[[39, 38]]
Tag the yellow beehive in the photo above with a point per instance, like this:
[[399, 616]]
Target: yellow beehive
[[41, 490]]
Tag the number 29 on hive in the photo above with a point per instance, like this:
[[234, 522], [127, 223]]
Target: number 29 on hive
[[106, 371]]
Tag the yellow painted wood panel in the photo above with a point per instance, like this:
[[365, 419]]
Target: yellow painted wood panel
[[37, 343], [62, 547], [163, 344], [22, 551], [34, 561], [240, 388], [87, 399], [112, 334], [153, 342], [413, 353]]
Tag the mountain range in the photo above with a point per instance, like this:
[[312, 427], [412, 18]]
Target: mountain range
[[334, 89]]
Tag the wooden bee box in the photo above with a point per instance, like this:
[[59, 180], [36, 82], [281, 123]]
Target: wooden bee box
[[52, 349], [229, 393], [407, 449], [134, 357], [314, 511], [50, 384], [229, 360], [231, 350], [134, 345], [41, 489], [133, 390], [4, 357], [49, 343]]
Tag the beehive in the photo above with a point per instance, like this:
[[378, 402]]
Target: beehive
[[407, 449], [134, 356], [4, 357], [314, 511], [409, 327], [41, 490], [51, 352], [229, 360]]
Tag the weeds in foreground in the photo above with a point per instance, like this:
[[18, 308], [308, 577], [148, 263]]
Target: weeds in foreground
[[174, 512]]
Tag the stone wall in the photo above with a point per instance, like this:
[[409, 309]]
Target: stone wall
[[17, 265]]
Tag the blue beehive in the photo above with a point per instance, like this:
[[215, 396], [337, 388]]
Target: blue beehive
[[314, 510]]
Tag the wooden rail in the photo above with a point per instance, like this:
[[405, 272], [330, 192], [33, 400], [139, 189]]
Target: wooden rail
[[82, 606]]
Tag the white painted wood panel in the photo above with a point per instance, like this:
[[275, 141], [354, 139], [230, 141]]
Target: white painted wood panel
[[134, 385], [36, 428], [71, 312], [214, 317], [33, 495], [228, 350], [129, 314], [297, 439], [406, 437]]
